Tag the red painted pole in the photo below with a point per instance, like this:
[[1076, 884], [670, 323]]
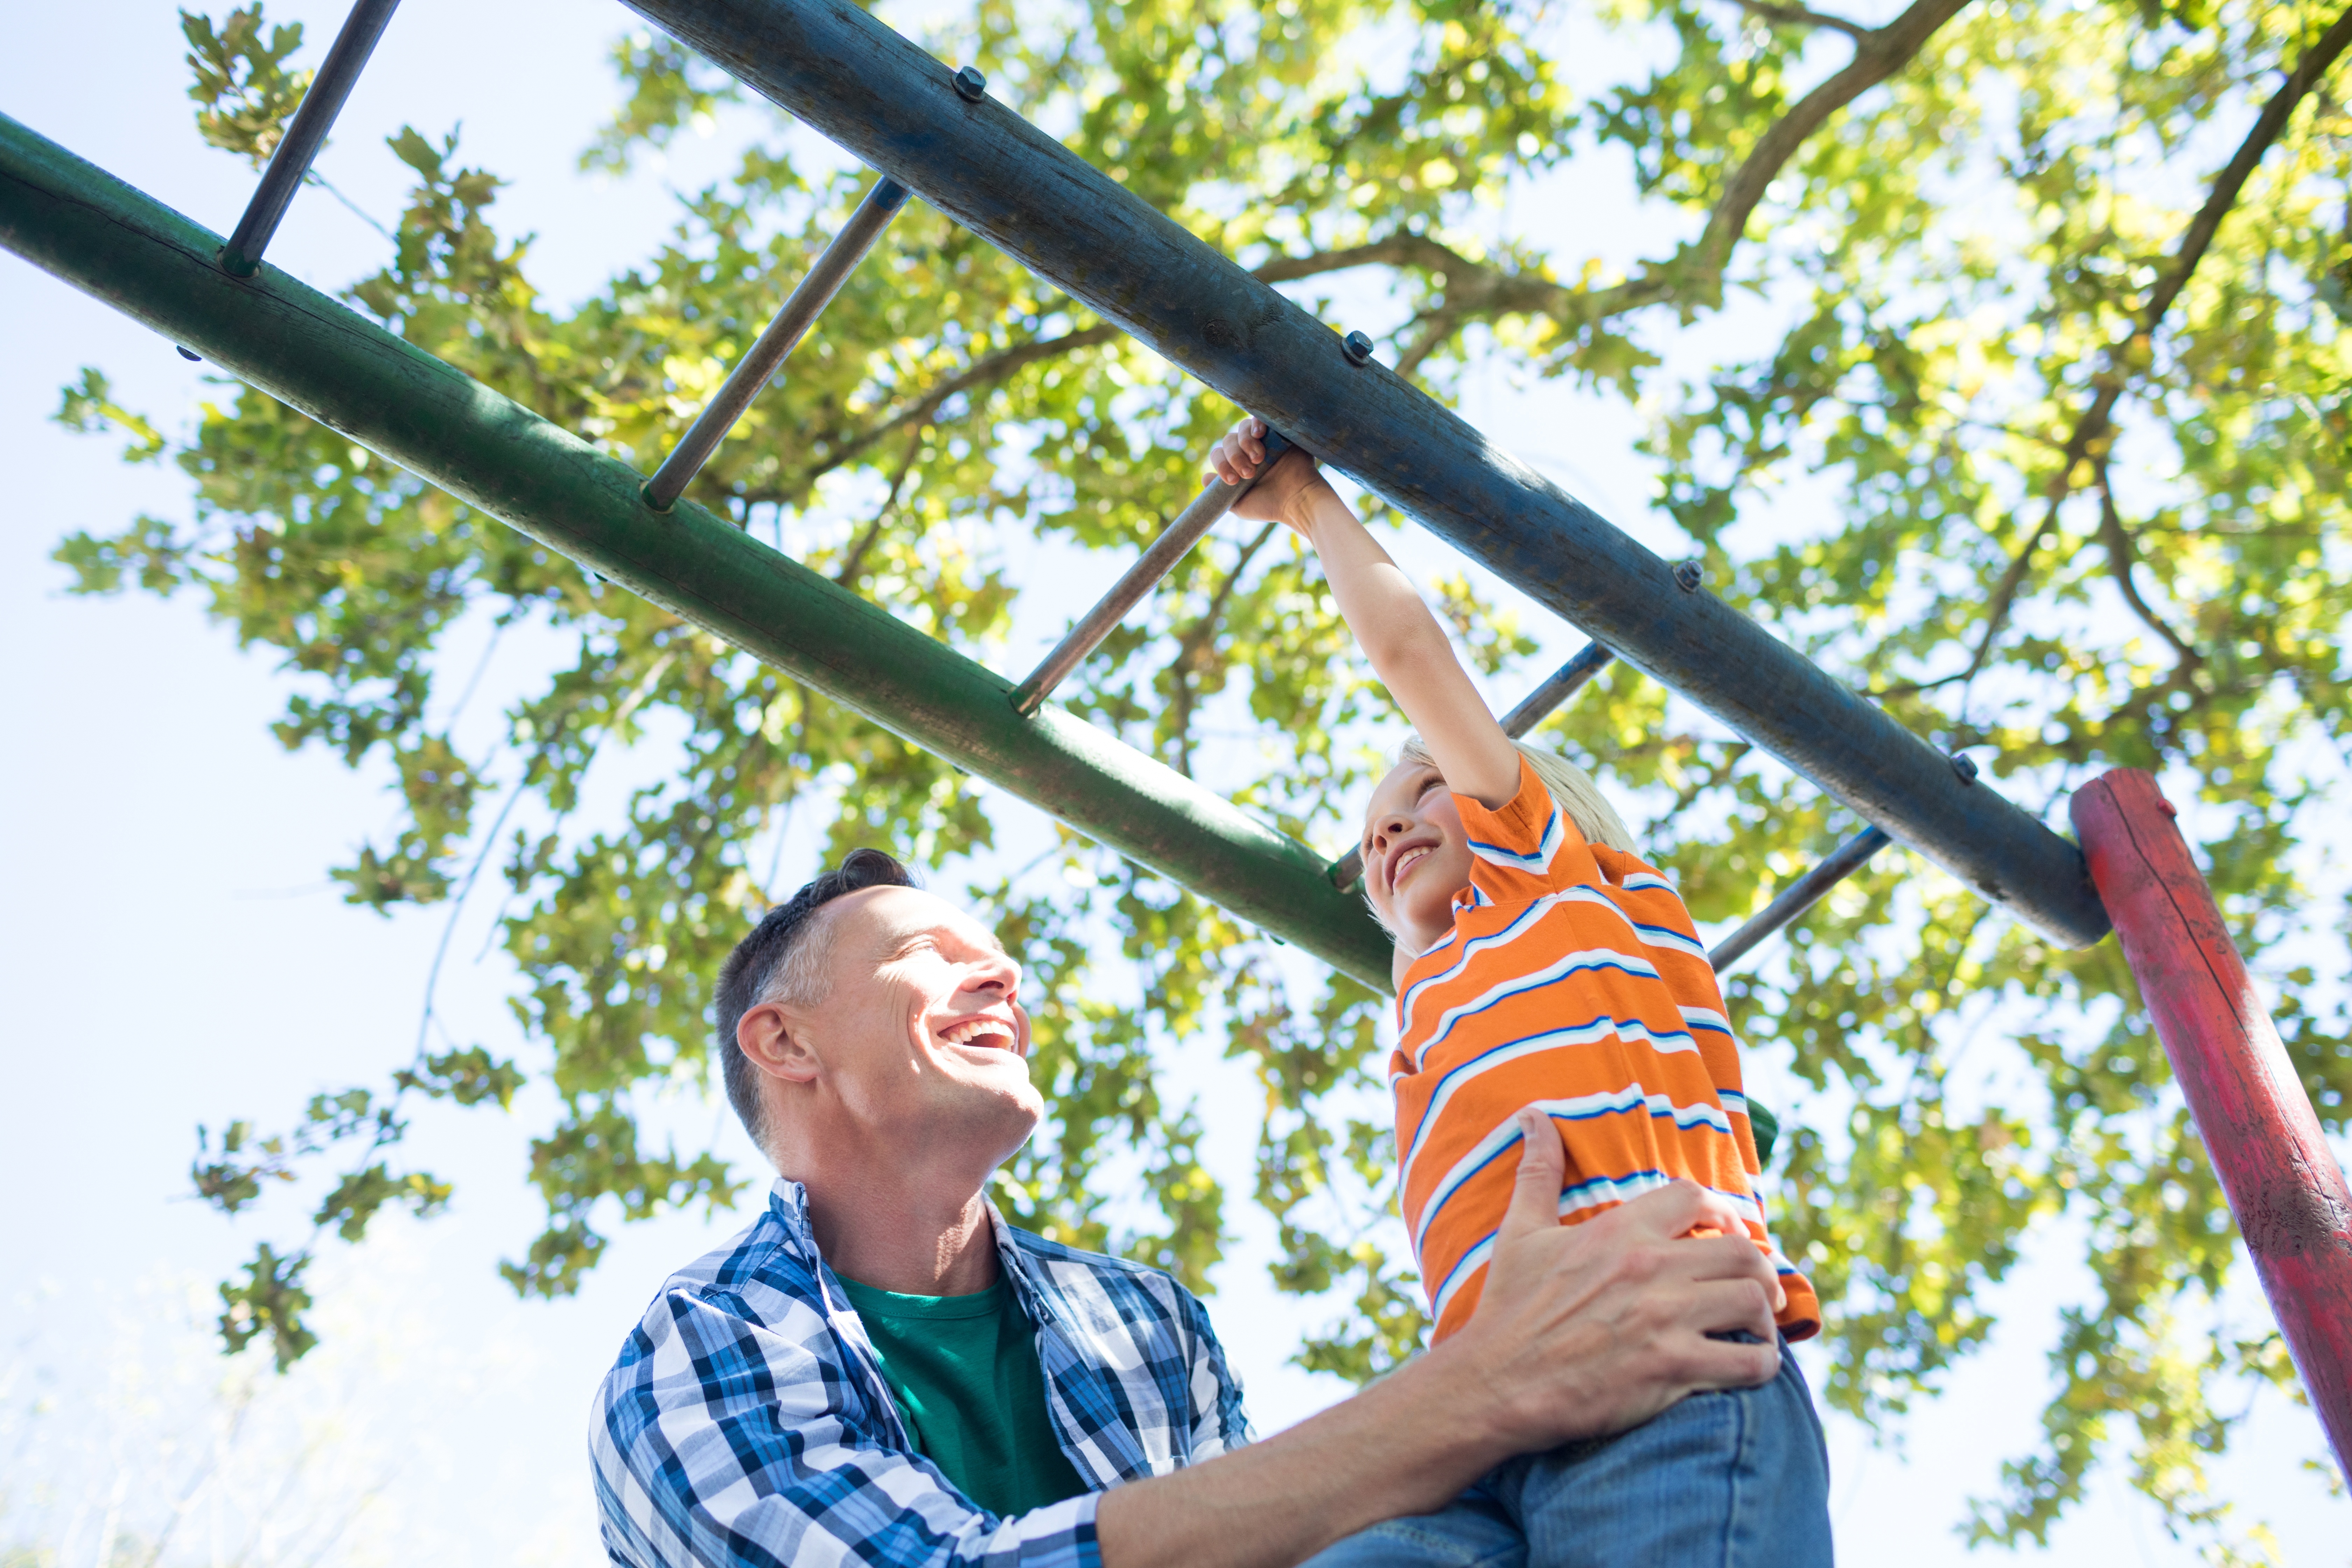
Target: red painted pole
[[2260, 1131]]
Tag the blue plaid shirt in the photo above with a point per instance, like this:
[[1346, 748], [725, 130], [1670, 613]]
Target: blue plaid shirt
[[747, 1421]]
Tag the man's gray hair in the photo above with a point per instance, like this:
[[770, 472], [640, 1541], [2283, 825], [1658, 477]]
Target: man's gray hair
[[788, 958]]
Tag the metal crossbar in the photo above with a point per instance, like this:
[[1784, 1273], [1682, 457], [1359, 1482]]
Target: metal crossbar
[[1556, 688], [768, 353], [1803, 894], [295, 152]]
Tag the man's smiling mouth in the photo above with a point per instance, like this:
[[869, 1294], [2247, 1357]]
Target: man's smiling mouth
[[990, 1033]]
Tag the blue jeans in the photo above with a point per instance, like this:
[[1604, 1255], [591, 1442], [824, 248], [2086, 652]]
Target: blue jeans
[[1737, 1479]]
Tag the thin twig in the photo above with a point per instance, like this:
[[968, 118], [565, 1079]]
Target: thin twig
[[481, 668], [2121, 558], [1912, 688], [362, 213], [873, 530]]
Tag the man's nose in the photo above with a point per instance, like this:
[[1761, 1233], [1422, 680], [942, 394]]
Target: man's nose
[[999, 977]]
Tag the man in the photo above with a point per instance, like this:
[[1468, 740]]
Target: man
[[881, 1371]]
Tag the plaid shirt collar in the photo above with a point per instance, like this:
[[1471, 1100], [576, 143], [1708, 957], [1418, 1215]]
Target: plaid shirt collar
[[746, 1420]]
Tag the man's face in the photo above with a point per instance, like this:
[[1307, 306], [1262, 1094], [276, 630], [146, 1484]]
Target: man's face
[[922, 1038]]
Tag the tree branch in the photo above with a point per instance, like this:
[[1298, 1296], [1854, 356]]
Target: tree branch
[[2090, 434], [2121, 558], [1798, 16], [981, 373], [1878, 54], [1402, 249], [1694, 276], [856, 560]]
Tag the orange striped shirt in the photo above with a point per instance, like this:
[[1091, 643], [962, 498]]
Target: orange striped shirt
[[1573, 981]]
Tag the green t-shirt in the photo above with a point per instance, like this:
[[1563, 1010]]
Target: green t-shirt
[[965, 1371]]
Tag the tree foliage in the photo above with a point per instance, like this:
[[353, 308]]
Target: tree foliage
[[2047, 300]]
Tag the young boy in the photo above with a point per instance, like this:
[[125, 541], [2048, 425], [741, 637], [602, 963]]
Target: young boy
[[1539, 963]]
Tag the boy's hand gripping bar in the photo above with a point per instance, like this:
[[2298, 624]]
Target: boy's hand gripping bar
[[1171, 546]]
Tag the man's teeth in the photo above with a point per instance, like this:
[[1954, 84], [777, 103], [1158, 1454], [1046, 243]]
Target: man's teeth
[[965, 1033]]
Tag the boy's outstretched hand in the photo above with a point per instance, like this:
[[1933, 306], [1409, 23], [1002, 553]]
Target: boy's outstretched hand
[[1283, 496]]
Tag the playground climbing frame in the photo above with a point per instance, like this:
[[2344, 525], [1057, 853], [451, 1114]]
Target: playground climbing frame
[[934, 132]]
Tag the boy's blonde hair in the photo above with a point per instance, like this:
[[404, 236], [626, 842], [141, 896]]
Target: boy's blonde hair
[[1570, 788]]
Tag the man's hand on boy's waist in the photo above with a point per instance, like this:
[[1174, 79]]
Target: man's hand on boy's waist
[[1581, 1331], [1585, 1330]]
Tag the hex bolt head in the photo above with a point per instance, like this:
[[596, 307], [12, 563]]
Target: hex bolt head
[[1358, 348], [971, 86], [1688, 576], [1966, 767]]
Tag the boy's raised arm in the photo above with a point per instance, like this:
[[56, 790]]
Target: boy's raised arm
[[1407, 647]]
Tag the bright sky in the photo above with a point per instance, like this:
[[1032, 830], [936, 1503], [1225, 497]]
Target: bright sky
[[176, 955]]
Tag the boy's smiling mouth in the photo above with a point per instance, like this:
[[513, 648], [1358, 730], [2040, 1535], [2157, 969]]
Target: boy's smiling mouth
[[1407, 859]]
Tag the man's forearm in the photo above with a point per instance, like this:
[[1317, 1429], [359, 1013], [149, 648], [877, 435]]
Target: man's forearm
[[1409, 1445]]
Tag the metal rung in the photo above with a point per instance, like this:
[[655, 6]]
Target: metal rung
[[1843, 861], [1557, 688], [338, 74], [1532, 709], [1173, 544], [758, 367]]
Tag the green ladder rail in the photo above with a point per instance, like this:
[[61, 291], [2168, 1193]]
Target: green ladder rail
[[74, 220]]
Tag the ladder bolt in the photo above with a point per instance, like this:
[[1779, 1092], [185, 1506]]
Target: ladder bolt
[[1688, 576], [1966, 767], [1358, 348], [971, 86]]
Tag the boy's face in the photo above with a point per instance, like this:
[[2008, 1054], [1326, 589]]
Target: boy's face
[[1416, 856]]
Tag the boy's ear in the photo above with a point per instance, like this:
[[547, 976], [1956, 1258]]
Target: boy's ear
[[776, 1040]]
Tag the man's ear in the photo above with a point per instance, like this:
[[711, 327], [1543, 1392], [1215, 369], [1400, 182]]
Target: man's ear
[[775, 1038]]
